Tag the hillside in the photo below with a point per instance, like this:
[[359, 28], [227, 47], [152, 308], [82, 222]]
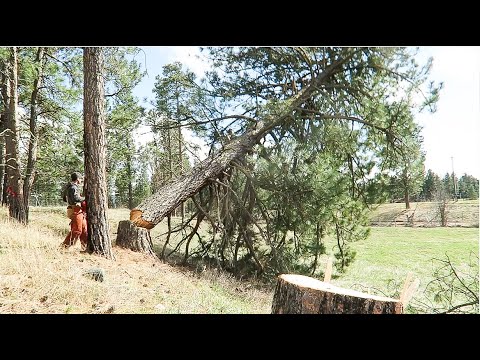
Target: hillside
[[36, 276], [463, 213]]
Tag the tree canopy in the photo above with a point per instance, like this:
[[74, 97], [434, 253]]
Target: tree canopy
[[329, 123]]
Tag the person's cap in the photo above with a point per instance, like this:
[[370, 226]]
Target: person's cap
[[76, 175]]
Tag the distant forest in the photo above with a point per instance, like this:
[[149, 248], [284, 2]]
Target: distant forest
[[433, 187]]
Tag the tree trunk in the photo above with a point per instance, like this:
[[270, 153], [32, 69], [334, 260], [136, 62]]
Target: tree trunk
[[180, 158], [130, 176], [33, 142], [407, 199], [4, 189], [14, 179], [298, 294], [153, 209], [95, 146], [2, 161], [134, 238], [3, 121], [170, 156]]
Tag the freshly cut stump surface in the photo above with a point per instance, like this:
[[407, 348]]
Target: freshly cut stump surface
[[134, 238], [299, 294]]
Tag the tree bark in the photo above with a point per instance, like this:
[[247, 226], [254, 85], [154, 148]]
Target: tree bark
[[298, 294], [16, 204], [2, 161], [4, 189], [152, 210], [407, 199], [3, 115], [33, 142], [95, 146], [130, 176], [180, 159], [134, 238]]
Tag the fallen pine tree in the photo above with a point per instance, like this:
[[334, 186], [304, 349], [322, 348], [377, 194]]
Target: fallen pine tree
[[317, 117], [153, 209]]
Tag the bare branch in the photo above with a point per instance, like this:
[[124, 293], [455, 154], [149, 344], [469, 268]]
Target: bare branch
[[205, 212], [119, 91], [475, 296], [472, 303]]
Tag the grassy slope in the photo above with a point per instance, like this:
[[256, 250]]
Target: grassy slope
[[37, 277], [460, 213]]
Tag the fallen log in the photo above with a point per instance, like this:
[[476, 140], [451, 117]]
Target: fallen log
[[298, 294], [153, 209]]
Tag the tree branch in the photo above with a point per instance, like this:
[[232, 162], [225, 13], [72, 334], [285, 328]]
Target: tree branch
[[472, 303], [65, 65], [345, 117], [475, 296]]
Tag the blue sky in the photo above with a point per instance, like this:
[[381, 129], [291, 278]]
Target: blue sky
[[452, 131]]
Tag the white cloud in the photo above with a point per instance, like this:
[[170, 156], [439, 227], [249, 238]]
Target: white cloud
[[190, 56]]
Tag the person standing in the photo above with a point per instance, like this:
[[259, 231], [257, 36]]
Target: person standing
[[76, 212]]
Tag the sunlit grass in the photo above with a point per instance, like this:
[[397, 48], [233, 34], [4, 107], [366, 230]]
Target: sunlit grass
[[36, 276], [459, 213], [390, 253]]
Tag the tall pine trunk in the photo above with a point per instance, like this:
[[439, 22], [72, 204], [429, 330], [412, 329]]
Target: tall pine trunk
[[16, 205], [2, 150], [95, 159], [3, 114], [180, 159], [130, 185], [33, 142], [3, 130], [128, 158]]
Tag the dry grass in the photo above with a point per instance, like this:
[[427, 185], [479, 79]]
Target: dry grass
[[36, 276], [462, 213]]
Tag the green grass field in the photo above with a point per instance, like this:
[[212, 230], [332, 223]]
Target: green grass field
[[385, 258]]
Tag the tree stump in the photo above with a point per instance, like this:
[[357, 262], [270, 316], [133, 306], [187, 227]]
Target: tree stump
[[134, 238], [298, 294]]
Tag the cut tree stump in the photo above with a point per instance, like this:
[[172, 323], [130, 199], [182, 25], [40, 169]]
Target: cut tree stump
[[298, 294], [134, 238]]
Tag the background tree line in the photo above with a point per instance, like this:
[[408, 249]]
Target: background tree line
[[430, 186], [47, 127]]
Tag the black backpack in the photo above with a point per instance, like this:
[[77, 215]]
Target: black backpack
[[65, 192]]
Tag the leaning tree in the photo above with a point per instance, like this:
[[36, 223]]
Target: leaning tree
[[299, 136]]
